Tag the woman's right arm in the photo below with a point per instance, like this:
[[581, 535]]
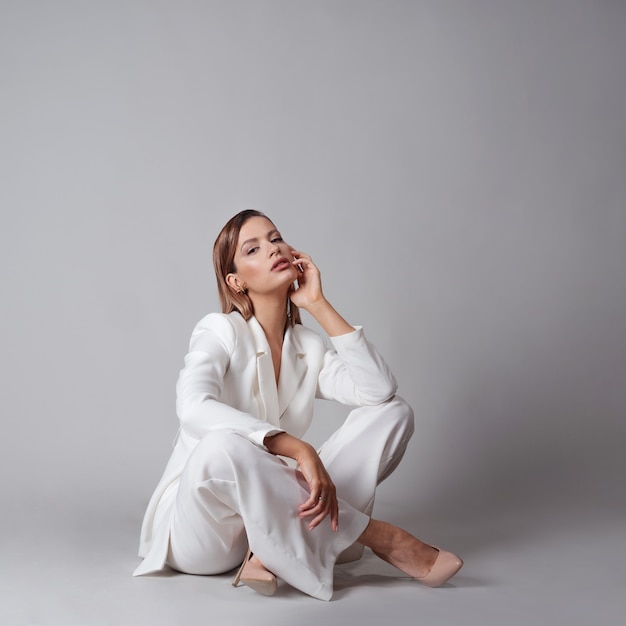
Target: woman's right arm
[[201, 381]]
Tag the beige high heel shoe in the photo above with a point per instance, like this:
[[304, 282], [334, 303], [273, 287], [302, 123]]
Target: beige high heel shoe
[[446, 565], [255, 577]]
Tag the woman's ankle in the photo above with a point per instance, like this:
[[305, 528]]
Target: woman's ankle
[[379, 536], [399, 547]]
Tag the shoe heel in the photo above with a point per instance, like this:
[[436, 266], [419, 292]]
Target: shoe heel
[[261, 580], [237, 578]]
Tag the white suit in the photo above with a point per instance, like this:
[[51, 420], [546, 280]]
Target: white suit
[[222, 489]]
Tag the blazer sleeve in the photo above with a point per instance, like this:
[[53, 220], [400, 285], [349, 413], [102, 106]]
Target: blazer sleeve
[[200, 384], [354, 373]]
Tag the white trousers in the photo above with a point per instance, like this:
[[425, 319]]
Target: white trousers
[[233, 493]]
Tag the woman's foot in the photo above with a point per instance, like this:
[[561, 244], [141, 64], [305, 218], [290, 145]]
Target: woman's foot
[[255, 575], [423, 562]]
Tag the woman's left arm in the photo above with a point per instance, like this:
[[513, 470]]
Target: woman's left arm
[[309, 296], [354, 373]]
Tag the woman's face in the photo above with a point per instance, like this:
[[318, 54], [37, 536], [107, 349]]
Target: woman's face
[[263, 261]]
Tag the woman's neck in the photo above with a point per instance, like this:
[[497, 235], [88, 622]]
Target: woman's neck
[[271, 313]]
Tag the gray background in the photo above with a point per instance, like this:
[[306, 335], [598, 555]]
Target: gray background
[[455, 168]]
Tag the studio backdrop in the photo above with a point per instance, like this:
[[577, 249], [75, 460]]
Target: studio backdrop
[[467, 208]]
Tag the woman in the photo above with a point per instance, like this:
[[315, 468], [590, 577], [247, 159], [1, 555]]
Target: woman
[[244, 399]]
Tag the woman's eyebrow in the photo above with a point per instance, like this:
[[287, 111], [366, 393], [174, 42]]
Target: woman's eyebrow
[[255, 239], [251, 240]]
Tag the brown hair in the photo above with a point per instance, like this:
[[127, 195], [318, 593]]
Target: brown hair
[[224, 263]]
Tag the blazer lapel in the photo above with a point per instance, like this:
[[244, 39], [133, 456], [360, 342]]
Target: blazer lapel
[[292, 370], [268, 394], [273, 401]]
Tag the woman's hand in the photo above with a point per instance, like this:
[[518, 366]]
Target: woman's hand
[[322, 500], [309, 291], [322, 493], [309, 297]]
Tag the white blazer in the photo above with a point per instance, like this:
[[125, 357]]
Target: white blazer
[[228, 382]]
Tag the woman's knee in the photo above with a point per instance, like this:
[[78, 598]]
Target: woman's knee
[[400, 411], [216, 452], [395, 416]]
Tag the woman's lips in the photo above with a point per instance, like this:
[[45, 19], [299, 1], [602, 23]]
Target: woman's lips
[[281, 264]]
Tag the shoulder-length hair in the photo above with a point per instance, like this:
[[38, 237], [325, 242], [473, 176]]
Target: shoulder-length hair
[[224, 264]]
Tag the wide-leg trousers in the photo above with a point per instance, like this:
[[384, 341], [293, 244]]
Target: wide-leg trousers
[[234, 493]]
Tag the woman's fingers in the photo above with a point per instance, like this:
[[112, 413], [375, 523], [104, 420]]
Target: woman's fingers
[[320, 512], [322, 500], [331, 510], [314, 505], [316, 502], [309, 288], [320, 506], [300, 254], [312, 502], [303, 260]]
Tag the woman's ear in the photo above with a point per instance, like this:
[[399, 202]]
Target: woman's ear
[[233, 282]]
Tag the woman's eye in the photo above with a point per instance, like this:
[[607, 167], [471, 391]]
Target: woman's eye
[[277, 239], [252, 250]]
